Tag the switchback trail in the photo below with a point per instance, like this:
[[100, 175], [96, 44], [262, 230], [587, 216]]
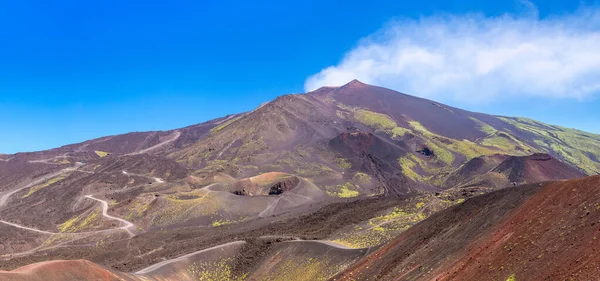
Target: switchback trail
[[105, 214], [27, 228], [173, 137], [156, 179], [5, 195], [163, 263]]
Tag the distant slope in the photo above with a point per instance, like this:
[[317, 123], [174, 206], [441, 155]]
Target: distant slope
[[426, 141], [63, 270], [580, 149], [497, 171], [363, 163], [532, 232], [455, 135]]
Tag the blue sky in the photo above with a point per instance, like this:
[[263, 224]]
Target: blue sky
[[76, 70]]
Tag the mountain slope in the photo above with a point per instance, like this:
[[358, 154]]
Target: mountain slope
[[499, 171], [357, 164], [534, 232]]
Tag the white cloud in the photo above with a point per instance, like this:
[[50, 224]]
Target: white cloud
[[477, 58]]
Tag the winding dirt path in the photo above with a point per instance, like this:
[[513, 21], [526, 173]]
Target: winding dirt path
[[174, 136], [49, 160], [271, 206], [105, 214], [328, 243], [163, 263], [156, 179], [224, 149], [7, 194], [298, 239], [27, 228]]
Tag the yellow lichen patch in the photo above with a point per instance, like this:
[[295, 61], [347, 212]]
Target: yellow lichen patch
[[305, 268], [511, 278], [218, 223], [346, 190], [407, 166], [443, 147], [138, 207], [380, 122], [56, 239], [399, 132], [506, 142], [362, 178], [81, 222], [343, 163], [377, 121], [576, 147], [213, 271], [445, 151], [38, 187], [384, 227], [101, 153], [484, 127], [62, 161], [184, 206], [223, 125]]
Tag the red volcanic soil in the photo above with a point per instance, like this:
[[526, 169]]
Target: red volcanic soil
[[535, 232], [357, 143], [377, 157], [441, 119], [536, 168], [61, 270], [518, 169], [473, 168]]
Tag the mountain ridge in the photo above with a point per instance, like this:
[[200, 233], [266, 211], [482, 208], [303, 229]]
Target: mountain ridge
[[353, 166]]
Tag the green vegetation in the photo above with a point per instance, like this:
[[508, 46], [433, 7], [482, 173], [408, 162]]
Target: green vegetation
[[62, 161], [81, 222], [303, 267], [101, 153], [431, 173], [138, 207], [346, 190], [579, 148], [343, 163], [407, 166], [447, 146], [511, 278], [446, 150], [184, 206], [378, 121], [484, 127], [38, 187], [218, 223], [57, 239], [507, 142], [219, 270], [297, 164], [385, 226], [362, 178], [399, 132], [223, 125]]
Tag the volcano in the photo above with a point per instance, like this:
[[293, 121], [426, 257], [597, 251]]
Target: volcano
[[342, 182]]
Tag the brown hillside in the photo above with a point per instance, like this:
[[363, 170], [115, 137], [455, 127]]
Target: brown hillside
[[533, 232]]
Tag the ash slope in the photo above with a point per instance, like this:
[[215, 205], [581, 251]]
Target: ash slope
[[543, 231], [228, 177], [535, 232]]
